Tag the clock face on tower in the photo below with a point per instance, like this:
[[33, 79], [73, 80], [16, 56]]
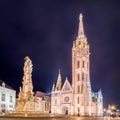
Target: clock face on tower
[[66, 99]]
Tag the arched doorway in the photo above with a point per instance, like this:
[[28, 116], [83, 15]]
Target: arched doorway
[[65, 110]]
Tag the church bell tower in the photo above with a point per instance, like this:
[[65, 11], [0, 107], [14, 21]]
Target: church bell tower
[[80, 72]]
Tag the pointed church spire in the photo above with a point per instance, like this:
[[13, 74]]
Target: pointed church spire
[[59, 81], [59, 71], [81, 27], [100, 91], [66, 79], [53, 87]]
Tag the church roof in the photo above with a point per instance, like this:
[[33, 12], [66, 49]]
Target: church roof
[[66, 86], [41, 94], [6, 86]]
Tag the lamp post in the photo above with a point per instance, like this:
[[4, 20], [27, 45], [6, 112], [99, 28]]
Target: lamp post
[[78, 107], [104, 112]]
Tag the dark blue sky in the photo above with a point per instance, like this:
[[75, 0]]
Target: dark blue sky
[[44, 30]]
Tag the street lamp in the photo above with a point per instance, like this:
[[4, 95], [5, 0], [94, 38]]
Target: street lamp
[[113, 107], [78, 107]]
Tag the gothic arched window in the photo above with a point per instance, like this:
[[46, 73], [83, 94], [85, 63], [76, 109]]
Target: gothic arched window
[[78, 64], [78, 89], [82, 88], [78, 76], [83, 76], [83, 64], [87, 65], [78, 100]]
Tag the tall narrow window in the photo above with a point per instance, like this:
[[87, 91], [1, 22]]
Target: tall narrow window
[[78, 89], [83, 76], [78, 76], [45, 106], [86, 76], [87, 65], [11, 100], [83, 64], [3, 97], [78, 64], [78, 100], [82, 88]]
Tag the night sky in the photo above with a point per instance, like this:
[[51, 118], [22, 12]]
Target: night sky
[[44, 30]]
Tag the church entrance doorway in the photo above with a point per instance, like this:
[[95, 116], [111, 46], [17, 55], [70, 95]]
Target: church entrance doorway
[[65, 110]]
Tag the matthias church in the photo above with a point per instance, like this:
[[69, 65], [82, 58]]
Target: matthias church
[[77, 98]]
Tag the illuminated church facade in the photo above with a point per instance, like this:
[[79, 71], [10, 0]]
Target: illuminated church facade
[[77, 98]]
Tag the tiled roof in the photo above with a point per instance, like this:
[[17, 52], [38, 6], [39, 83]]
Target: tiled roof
[[6, 86], [41, 94]]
